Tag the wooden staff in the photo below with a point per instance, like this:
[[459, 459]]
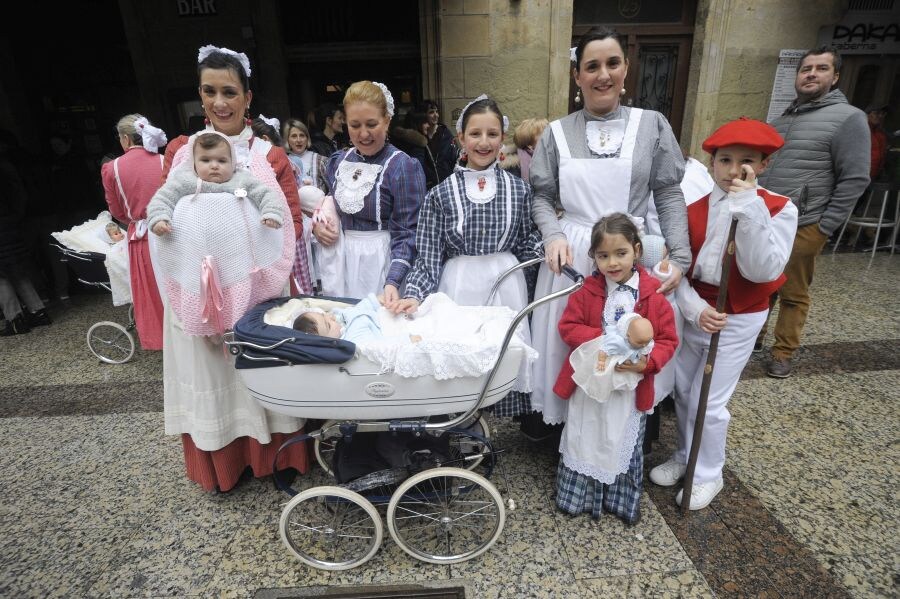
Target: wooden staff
[[707, 374]]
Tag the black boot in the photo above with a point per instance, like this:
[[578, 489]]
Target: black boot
[[16, 326], [39, 318]]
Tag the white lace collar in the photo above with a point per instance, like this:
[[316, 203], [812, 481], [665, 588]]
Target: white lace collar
[[604, 138], [481, 186], [354, 182]]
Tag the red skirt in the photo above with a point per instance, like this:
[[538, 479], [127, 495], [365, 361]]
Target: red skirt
[[221, 469]]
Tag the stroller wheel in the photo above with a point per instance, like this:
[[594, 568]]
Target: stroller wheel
[[468, 448], [324, 449], [446, 515], [110, 342], [331, 528]]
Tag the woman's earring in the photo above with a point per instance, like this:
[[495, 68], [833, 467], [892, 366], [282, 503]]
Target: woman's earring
[[206, 121], [502, 156], [247, 118], [578, 96], [622, 92], [464, 157]]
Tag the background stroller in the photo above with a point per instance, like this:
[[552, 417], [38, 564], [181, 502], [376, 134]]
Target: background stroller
[[407, 447], [93, 260]]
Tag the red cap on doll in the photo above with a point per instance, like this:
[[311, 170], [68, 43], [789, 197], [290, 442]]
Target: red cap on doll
[[746, 132]]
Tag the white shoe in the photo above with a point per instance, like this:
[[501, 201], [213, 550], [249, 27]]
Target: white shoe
[[702, 494], [667, 474]]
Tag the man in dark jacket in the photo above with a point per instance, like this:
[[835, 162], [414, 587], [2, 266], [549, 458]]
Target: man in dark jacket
[[824, 168]]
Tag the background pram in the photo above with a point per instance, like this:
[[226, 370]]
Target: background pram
[[435, 511], [109, 341]]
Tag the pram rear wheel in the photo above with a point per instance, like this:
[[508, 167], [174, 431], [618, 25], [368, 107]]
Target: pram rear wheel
[[331, 528], [110, 342], [446, 515]]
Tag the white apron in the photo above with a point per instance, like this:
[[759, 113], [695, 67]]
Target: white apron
[[360, 265], [589, 189]]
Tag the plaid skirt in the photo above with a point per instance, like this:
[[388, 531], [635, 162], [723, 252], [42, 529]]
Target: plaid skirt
[[516, 403], [577, 493]]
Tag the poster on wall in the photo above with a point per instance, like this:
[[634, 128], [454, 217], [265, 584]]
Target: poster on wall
[[783, 91]]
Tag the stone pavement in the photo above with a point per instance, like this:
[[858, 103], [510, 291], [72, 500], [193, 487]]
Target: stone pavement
[[93, 502]]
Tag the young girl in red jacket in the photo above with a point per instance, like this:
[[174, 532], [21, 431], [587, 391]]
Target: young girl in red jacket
[[601, 466]]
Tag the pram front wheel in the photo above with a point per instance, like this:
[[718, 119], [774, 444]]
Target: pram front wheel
[[331, 528], [110, 342], [446, 515]]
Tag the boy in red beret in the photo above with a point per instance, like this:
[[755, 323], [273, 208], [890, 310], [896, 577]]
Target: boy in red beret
[[765, 232]]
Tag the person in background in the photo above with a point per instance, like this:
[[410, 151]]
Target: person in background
[[517, 159], [411, 139], [267, 128], [824, 169], [129, 182], [440, 140], [15, 260], [327, 138], [309, 167], [875, 115]]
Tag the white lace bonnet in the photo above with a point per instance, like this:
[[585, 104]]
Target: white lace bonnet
[[459, 121], [152, 138], [388, 98], [209, 49]]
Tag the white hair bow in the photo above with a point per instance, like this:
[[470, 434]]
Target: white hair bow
[[388, 98], [459, 121], [271, 121], [242, 58], [152, 138], [573, 55]]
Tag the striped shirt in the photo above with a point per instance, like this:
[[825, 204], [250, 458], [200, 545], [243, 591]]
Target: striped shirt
[[450, 225], [392, 204]]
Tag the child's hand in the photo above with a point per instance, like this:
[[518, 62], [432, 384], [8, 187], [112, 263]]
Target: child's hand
[[601, 361], [711, 321], [162, 227], [407, 306], [272, 224], [746, 181], [638, 367]]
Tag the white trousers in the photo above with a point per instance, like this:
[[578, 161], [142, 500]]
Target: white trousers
[[735, 346]]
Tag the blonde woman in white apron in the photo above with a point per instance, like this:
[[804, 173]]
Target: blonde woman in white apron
[[378, 190], [476, 225], [602, 159]]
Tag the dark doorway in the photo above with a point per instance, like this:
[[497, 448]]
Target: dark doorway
[[330, 45]]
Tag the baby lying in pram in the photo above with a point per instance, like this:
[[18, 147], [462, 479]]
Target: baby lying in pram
[[103, 236], [444, 340], [358, 323]]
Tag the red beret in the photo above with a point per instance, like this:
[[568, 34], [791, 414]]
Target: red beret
[[746, 132]]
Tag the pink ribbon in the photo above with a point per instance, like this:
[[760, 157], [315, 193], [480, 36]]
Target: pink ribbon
[[211, 297]]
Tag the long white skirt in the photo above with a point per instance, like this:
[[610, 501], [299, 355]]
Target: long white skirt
[[545, 321], [467, 280]]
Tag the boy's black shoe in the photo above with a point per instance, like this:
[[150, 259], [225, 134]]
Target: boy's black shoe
[[39, 318], [757, 347], [16, 326]]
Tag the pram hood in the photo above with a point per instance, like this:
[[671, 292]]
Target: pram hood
[[302, 348]]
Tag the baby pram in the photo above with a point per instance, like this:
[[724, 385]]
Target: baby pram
[[83, 249], [405, 446]]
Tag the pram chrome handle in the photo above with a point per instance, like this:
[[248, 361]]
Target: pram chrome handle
[[500, 279], [578, 281]]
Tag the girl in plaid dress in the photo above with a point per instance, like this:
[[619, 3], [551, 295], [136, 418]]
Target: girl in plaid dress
[[585, 482], [474, 226]]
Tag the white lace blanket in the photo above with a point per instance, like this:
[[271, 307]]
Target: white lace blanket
[[457, 341], [88, 236], [118, 269]]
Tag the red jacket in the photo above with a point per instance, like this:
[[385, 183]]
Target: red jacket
[[582, 321], [744, 296]]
